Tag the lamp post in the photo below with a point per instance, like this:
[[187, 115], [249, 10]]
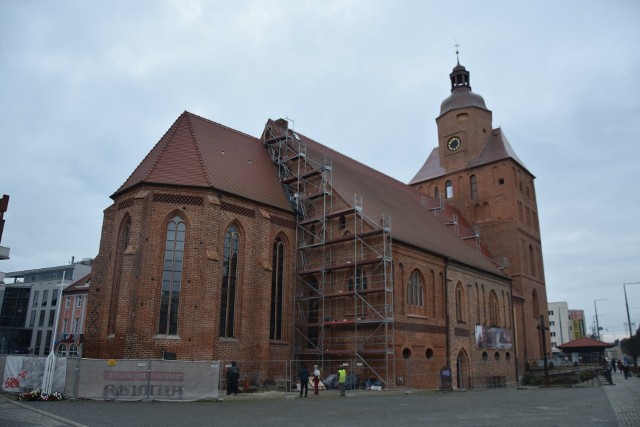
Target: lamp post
[[626, 303], [596, 308], [58, 308]]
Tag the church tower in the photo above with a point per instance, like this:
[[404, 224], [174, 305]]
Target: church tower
[[475, 170]]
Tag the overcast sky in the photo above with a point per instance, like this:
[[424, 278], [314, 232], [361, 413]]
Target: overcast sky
[[87, 89]]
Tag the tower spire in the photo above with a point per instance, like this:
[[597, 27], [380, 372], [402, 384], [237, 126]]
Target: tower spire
[[456, 45]]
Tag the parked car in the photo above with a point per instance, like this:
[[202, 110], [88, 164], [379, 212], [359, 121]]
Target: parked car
[[351, 383]]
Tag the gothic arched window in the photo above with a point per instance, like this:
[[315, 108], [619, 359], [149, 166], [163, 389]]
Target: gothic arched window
[[448, 189], [277, 284], [473, 184], [229, 281], [415, 290], [360, 280], [123, 242], [459, 303], [494, 309], [172, 276]]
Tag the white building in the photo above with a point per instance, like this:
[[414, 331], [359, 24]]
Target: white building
[[42, 287], [559, 325]]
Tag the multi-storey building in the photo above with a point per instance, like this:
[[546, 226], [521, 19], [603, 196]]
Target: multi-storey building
[[73, 311], [560, 325], [29, 307]]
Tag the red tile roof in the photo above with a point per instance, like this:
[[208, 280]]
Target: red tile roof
[[80, 285], [411, 222], [496, 148], [585, 342], [197, 152]]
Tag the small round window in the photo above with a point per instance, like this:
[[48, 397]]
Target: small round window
[[429, 353], [406, 353]]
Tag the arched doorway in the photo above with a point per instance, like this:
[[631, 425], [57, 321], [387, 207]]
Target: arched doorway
[[462, 370]]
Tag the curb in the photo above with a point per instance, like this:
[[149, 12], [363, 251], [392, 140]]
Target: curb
[[41, 412]]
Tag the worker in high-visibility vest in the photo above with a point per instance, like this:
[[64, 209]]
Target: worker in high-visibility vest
[[342, 378]]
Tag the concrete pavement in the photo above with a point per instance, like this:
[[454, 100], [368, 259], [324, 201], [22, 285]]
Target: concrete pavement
[[608, 405], [624, 396]]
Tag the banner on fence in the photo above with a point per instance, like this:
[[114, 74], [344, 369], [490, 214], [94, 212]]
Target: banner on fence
[[147, 380], [25, 373]]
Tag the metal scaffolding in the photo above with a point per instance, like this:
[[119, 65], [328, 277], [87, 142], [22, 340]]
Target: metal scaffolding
[[343, 302]]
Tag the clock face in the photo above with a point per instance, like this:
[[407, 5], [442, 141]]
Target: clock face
[[454, 143]]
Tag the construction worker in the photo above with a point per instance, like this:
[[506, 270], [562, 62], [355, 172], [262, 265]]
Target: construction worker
[[342, 379]]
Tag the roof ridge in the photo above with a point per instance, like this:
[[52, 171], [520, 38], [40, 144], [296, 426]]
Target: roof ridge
[[169, 134], [369, 169], [221, 125], [196, 143]]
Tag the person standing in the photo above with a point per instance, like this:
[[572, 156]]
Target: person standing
[[342, 379], [613, 365], [233, 374], [625, 368], [316, 378], [304, 380]]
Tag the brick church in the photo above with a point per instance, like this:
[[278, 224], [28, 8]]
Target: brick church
[[222, 245]]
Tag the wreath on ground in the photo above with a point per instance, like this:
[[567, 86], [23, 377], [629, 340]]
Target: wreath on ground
[[38, 395]]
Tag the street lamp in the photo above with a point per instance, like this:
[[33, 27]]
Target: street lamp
[[596, 308], [58, 308], [626, 303]]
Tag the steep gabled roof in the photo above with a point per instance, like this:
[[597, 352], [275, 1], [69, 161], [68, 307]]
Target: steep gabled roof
[[411, 222], [196, 152], [496, 148], [430, 169]]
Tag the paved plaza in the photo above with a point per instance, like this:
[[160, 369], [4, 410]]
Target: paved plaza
[[607, 405]]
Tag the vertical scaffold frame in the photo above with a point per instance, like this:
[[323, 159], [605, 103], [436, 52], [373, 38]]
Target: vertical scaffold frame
[[343, 302]]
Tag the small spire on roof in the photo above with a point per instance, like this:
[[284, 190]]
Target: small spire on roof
[[457, 51]]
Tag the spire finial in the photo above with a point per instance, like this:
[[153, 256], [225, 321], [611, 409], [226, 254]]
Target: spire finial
[[457, 51]]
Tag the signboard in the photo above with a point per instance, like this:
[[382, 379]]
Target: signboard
[[445, 379], [148, 379], [576, 329], [576, 314], [493, 338]]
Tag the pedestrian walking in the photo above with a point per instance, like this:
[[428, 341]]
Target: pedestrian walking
[[316, 378], [233, 374], [625, 368], [613, 364], [342, 379], [304, 380]]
